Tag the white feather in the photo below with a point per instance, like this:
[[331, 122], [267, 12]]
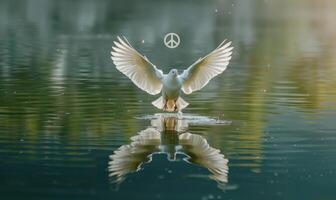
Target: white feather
[[204, 69], [136, 67], [201, 153]]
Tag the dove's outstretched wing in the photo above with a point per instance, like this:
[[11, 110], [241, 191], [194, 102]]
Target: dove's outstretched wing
[[136, 67], [204, 69]]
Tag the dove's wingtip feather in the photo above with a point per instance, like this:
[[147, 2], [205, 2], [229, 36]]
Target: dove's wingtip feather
[[221, 44], [225, 42]]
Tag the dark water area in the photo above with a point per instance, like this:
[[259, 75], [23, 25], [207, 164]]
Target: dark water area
[[73, 127]]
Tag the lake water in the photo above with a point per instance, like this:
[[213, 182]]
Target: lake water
[[73, 127]]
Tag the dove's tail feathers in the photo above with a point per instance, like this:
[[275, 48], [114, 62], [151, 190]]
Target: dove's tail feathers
[[159, 103], [181, 104], [175, 105], [170, 105]]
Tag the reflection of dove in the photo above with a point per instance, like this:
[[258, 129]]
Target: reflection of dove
[[147, 77], [129, 158], [201, 153]]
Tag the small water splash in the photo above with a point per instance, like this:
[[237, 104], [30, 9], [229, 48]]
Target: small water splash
[[191, 119]]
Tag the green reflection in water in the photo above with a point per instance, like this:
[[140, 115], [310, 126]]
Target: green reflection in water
[[64, 108]]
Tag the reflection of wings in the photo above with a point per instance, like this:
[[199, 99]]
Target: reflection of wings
[[202, 154], [128, 158], [158, 138]]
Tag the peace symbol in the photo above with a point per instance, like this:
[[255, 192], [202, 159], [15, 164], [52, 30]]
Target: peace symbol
[[171, 40]]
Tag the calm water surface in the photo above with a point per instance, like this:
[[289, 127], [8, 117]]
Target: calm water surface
[[73, 127]]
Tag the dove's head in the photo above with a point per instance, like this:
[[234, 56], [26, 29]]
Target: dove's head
[[173, 72]]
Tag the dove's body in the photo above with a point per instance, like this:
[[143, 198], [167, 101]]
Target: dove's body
[[147, 77], [171, 90], [171, 86]]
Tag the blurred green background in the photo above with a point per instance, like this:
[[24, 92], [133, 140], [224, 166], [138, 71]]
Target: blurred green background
[[64, 108]]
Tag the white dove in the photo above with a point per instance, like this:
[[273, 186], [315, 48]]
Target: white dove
[[147, 77]]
